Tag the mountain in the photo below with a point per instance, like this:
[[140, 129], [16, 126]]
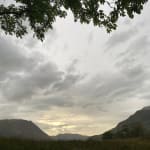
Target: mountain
[[136, 125], [22, 129], [69, 137], [141, 117]]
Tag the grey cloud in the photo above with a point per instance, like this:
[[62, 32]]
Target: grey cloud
[[121, 37], [140, 45], [45, 74], [126, 83], [70, 78], [135, 72], [47, 102], [23, 75], [8, 110], [133, 64], [27, 76], [90, 37], [69, 81], [17, 88], [132, 74], [13, 60], [41, 77], [72, 66], [136, 54]]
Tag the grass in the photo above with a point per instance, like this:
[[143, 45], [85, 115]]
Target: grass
[[13, 144]]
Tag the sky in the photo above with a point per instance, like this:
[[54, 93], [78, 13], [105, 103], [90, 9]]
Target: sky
[[80, 79]]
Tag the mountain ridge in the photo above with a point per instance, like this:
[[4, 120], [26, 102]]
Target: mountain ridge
[[137, 124], [22, 129]]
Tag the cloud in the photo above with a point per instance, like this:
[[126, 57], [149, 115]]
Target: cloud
[[72, 67], [139, 45], [122, 37], [69, 80], [90, 37], [13, 59], [7, 110], [25, 86], [50, 101], [137, 53], [24, 76], [118, 85]]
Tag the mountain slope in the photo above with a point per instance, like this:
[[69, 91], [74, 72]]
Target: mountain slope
[[141, 117], [22, 129], [136, 125]]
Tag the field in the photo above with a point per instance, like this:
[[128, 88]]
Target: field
[[13, 144]]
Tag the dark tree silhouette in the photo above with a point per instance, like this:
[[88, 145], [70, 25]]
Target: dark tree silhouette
[[39, 15]]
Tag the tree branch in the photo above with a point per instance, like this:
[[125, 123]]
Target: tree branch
[[8, 12]]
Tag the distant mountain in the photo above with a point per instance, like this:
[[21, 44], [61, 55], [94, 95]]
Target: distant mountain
[[136, 125], [22, 129], [69, 137]]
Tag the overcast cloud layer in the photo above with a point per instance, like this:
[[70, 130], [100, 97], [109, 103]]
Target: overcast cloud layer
[[80, 79]]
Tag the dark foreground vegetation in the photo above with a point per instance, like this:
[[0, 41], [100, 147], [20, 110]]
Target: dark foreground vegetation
[[136, 144]]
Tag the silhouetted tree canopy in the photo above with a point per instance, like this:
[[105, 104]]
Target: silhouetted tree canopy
[[39, 15]]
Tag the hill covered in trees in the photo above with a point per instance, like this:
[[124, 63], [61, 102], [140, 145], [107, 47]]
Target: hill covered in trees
[[137, 125]]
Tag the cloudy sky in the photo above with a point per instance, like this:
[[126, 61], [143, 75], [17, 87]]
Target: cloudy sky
[[80, 79]]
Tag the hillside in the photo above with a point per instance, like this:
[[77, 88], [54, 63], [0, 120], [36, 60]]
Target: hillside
[[136, 125], [22, 129], [140, 117]]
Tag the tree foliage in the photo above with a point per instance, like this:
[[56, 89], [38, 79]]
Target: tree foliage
[[40, 15]]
